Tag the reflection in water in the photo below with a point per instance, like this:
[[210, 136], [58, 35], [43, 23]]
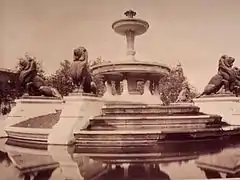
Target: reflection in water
[[61, 162], [136, 171], [227, 162]]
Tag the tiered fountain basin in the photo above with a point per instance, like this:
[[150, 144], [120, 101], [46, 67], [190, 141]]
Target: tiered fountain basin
[[138, 69], [132, 72], [135, 128], [138, 26]]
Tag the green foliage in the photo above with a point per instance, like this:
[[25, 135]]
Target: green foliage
[[61, 79]]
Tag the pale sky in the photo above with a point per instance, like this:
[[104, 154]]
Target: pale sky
[[194, 32]]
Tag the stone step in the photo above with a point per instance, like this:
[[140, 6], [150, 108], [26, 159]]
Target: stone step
[[155, 134], [149, 109], [125, 141], [172, 127], [146, 134], [166, 146], [158, 120]]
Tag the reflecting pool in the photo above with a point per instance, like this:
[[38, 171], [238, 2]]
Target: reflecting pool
[[172, 160]]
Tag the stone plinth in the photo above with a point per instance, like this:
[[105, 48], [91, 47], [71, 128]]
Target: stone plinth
[[75, 116], [31, 106], [225, 105], [21, 124]]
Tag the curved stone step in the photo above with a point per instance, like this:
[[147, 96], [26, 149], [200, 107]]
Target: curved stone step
[[146, 142], [149, 109], [149, 126], [147, 134], [156, 119]]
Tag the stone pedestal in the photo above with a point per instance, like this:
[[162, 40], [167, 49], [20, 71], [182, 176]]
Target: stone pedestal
[[226, 106], [27, 111], [75, 116], [32, 106]]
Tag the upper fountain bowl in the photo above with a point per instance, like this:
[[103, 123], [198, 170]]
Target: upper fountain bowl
[[138, 26]]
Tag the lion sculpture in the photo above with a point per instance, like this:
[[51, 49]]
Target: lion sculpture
[[225, 77], [80, 73], [31, 82]]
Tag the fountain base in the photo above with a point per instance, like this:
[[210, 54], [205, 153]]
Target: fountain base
[[129, 128]]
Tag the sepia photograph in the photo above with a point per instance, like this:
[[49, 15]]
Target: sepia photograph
[[119, 89]]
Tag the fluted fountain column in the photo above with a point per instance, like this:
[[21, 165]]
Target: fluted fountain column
[[125, 88], [130, 36]]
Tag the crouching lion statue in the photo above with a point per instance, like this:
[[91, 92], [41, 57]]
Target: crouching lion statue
[[226, 77], [32, 82]]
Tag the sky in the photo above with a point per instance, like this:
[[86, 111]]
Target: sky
[[193, 32]]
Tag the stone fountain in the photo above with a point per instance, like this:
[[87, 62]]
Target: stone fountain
[[131, 122], [128, 122], [130, 71]]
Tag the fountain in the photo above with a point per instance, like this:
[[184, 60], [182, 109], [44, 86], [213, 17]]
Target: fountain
[[130, 71], [133, 123], [113, 132], [113, 123]]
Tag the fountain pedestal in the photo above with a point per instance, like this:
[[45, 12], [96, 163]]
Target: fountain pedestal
[[225, 105]]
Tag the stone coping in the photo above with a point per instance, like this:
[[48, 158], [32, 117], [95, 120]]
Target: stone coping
[[217, 98], [219, 95], [108, 100], [134, 63], [28, 130], [36, 99], [82, 94], [40, 97], [11, 148], [129, 105]]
